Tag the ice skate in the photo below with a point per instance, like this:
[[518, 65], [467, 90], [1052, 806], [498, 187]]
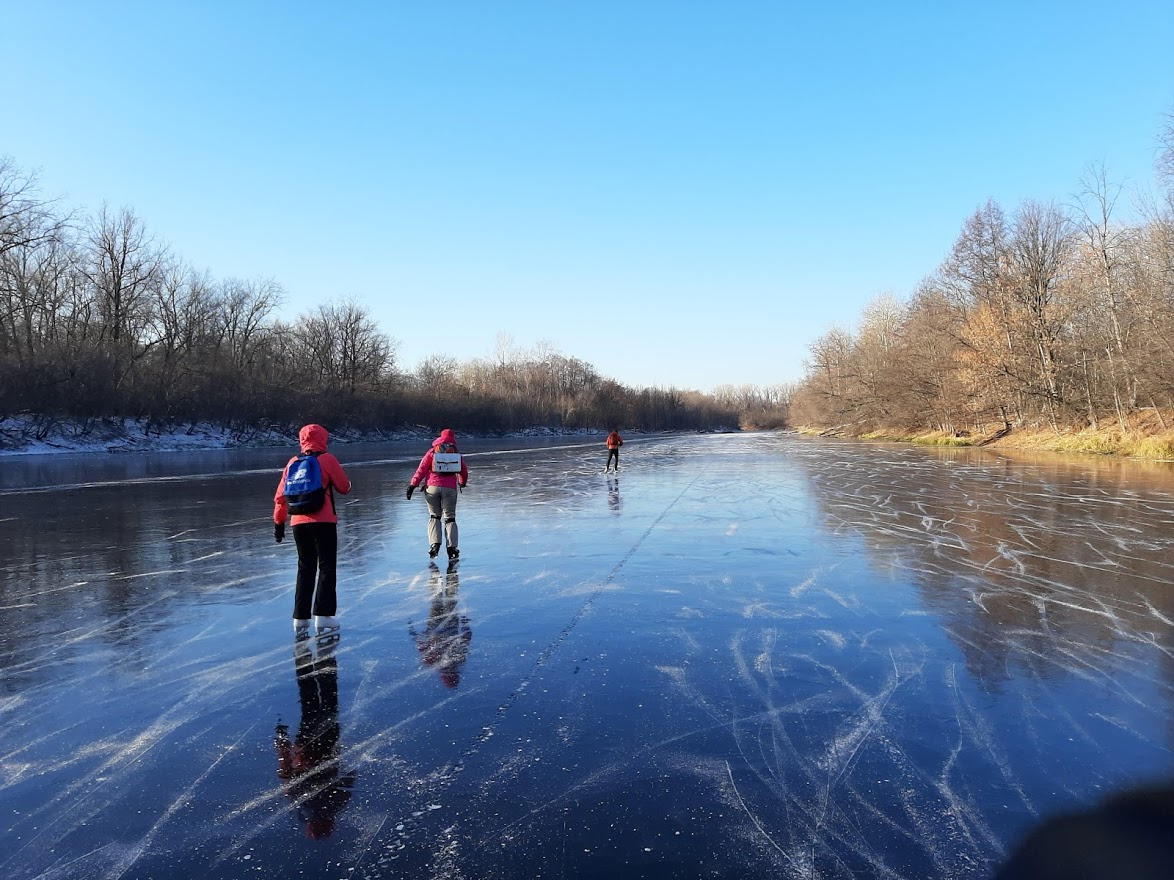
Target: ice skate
[[324, 624], [326, 630], [325, 644]]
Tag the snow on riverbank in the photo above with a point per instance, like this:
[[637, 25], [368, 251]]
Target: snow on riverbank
[[23, 436]]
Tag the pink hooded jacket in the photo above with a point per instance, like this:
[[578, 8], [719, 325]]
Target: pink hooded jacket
[[313, 438], [424, 473]]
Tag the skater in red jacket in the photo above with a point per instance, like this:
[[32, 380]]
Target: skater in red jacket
[[614, 442], [306, 490]]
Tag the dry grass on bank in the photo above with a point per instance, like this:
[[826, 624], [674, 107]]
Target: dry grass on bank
[[1159, 447], [931, 439], [1145, 439]]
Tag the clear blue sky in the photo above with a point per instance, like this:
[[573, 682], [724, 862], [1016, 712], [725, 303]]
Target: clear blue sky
[[680, 193]]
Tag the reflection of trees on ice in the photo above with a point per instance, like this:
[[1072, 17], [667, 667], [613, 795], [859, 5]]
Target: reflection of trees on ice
[[1051, 623], [444, 643], [309, 764], [1036, 566]]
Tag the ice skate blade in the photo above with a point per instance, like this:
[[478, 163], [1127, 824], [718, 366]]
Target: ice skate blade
[[327, 639]]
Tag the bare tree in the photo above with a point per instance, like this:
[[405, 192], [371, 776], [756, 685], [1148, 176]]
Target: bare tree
[[123, 265], [438, 374], [1164, 164], [928, 361], [26, 219], [182, 321], [342, 346], [1039, 248], [243, 309], [1104, 248], [366, 355]]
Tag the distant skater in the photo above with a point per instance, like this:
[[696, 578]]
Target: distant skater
[[306, 492], [443, 471], [614, 442]]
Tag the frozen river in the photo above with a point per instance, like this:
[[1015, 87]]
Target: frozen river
[[748, 656]]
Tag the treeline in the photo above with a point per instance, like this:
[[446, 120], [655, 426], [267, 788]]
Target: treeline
[[1054, 316], [517, 388], [99, 319], [761, 407]]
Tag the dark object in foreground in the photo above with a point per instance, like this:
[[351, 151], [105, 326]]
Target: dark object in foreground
[[1130, 835]]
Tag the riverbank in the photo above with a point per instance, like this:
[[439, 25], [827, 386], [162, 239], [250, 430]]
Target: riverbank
[[1142, 441], [20, 436]]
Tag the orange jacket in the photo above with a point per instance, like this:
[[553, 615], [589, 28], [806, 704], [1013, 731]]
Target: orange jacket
[[614, 441], [313, 439]]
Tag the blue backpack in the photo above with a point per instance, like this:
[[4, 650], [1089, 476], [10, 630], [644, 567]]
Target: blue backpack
[[303, 489]]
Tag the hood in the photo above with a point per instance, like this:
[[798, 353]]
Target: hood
[[446, 436], [313, 438]]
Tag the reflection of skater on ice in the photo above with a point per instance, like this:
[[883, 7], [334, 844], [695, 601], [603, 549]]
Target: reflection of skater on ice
[[444, 643], [306, 492], [443, 471], [613, 495], [309, 764], [614, 442]]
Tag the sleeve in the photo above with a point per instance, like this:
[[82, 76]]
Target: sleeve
[[339, 481], [464, 472], [423, 470], [280, 508]]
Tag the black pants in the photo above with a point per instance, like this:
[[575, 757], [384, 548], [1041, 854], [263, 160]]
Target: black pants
[[613, 453], [317, 554]]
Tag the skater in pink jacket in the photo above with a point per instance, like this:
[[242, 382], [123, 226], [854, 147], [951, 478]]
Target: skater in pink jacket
[[443, 472]]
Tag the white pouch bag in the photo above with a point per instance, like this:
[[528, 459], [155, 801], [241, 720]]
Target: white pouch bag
[[446, 462]]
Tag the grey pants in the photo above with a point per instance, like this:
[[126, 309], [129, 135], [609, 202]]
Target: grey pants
[[442, 502]]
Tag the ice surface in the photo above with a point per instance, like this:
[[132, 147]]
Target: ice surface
[[748, 655]]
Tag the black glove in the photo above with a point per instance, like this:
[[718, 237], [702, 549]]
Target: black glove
[[411, 489], [279, 532], [464, 484]]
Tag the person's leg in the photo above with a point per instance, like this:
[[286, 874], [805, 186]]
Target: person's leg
[[432, 497], [326, 596], [449, 505], [307, 571]]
